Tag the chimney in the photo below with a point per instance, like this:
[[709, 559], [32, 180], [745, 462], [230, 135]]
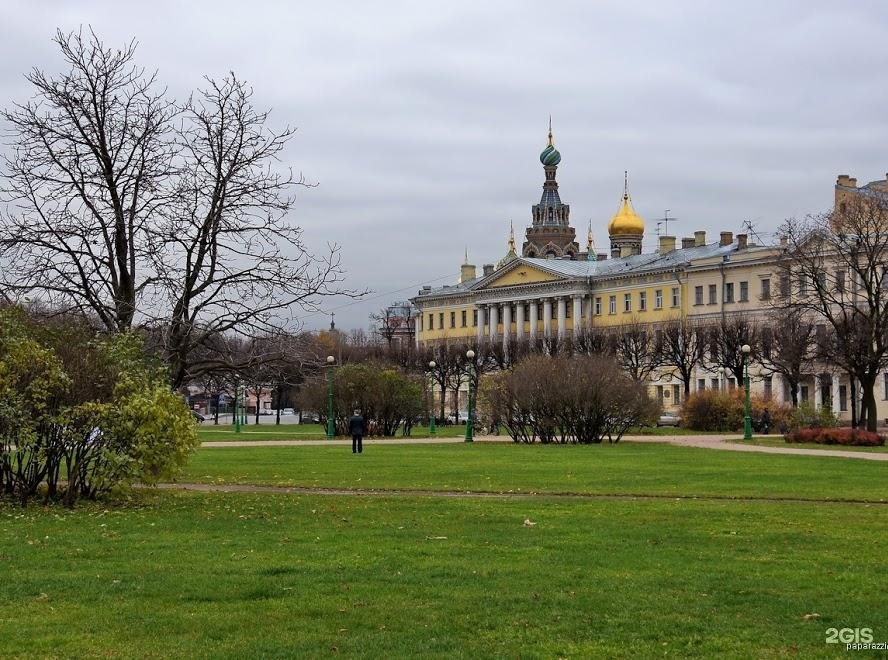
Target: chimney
[[467, 272], [688, 243], [667, 244], [488, 269], [742, 243], [727, 238], [699, 238]]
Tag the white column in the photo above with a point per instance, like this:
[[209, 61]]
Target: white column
[[507, 325], [818, 399], [562, 317], [494, 320], [519, 320], [534, 318], [547, 317], [835, 395], [480, 328], [590, 304], [578, 315]]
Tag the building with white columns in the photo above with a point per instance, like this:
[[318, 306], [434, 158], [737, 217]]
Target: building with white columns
[[555, 291]]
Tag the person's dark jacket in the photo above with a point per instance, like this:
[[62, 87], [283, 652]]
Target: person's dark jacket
[[356, 425]]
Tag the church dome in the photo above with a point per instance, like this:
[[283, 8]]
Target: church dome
[[626, 220], [550, 156]]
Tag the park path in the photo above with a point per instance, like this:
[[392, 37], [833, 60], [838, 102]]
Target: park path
[[722, 442]]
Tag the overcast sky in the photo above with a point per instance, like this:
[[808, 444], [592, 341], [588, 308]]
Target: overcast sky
[[422, 122]]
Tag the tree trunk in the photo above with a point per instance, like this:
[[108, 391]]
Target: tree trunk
[[443, 402], [853, 381], [868, 412], [794, 393]]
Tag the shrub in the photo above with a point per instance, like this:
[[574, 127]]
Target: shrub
[[582, 399], [834, 436], [79, 439], [713, 410], [806, 416]]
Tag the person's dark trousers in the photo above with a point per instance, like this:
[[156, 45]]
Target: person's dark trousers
[[357, 444]]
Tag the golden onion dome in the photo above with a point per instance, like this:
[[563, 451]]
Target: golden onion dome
[[626, 220]]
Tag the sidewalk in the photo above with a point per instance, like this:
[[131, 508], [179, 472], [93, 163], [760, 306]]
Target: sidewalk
[[723, 442]]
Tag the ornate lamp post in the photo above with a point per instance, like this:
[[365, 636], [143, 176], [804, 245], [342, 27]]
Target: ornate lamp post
[[432, 429], [470, 422], [721, 378], [331, 423], [747, 421]]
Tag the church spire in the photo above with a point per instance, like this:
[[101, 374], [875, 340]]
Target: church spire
[[551, 139], [590, 245], [511, 236]]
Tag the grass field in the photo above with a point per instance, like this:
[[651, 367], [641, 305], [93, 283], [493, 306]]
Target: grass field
[[185, 574], [778, 441], [633, 468], [208, 431]]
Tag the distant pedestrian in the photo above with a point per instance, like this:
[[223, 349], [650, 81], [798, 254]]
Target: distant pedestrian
[[766, 422], [356, 428]]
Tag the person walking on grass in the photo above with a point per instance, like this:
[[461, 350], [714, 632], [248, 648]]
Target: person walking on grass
[[356, 428]]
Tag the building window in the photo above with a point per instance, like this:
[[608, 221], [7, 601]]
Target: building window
[[803, 285], [567, 311], [769, 386], [713, 294], [820, 282], [676, 297], [627, 302], [840, 281], [766, 289], [784, 286], [698, 295], [658, 299], [464, 318], [527, 312], [804, 393], [843, 398], [714, 384], [597, 305], [701, 384], [642, 301], [474, 318], [729, 292], [612, 305], [431, 321], [744, 291], [676, 395], [441, 320], [420, 322], [452, 319]]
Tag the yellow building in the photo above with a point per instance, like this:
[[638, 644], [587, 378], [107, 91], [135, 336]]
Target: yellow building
[[554, 290]]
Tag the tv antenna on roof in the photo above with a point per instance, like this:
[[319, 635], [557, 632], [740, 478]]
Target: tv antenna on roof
[[750, 229], [665, 222]]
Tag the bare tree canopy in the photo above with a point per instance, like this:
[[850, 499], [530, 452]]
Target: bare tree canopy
[[143, 211], [835, 271]]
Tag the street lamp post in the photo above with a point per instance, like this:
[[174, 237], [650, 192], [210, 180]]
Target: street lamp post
[[747, 421], [470, 422], [237, 419], [432, 429], [721, 378], [331, 423]]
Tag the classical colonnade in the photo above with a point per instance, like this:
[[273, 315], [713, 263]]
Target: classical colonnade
[[546, 309]]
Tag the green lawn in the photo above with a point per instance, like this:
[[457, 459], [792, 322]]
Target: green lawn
[[258, 575], [625, 468], [778, 441], [225, 432]]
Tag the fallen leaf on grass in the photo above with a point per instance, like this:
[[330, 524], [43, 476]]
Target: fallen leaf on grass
[[528, 522], [812, 615]]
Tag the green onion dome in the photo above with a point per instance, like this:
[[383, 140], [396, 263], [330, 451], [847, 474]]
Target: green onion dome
[[550, 156]]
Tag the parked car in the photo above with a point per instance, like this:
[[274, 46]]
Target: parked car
[[288, 411], [668, 419]]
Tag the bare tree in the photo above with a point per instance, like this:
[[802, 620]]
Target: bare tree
[[143, 211], [838, 262], [725, 341], [89, 167], [683, 345], [787, 348], [637, 349]]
